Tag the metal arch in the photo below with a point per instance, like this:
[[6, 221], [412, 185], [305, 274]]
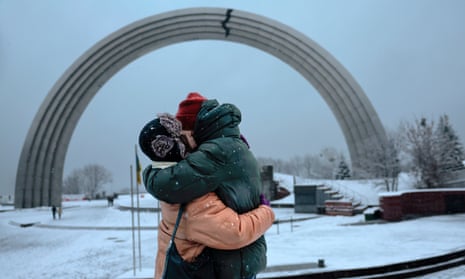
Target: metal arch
[[40, 168]]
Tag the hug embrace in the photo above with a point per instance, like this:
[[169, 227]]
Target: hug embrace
[[214, 215]]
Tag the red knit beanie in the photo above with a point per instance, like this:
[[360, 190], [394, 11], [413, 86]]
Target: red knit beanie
[[188, 109]]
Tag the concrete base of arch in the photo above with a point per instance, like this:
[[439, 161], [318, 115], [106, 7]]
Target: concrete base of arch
[[40, 168]]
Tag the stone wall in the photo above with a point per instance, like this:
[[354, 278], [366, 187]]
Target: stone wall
[[404, 205]]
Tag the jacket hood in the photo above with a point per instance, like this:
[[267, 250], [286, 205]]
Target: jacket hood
[[215, 121]]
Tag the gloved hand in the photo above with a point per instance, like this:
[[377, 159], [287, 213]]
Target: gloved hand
[[263, 200]]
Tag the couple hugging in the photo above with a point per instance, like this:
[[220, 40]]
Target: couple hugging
[[203, 165]]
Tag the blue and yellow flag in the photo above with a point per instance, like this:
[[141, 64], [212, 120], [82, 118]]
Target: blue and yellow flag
[[138, 169]]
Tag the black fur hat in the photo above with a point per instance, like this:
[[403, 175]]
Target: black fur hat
[[160, 139]]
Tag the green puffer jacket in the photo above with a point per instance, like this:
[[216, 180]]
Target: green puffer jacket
[[223, 164]]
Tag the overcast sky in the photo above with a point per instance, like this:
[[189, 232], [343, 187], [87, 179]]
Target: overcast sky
[[408, 56]]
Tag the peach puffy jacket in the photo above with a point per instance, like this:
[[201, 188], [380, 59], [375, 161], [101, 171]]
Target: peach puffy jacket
[[208, 222]]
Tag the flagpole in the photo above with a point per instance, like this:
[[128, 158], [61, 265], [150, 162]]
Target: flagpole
[[158, 212], [138, 227], [132, 220], [138, 205]]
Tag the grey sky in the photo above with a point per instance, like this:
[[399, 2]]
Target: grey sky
[[408, 56]]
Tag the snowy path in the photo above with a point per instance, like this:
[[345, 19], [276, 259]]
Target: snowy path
[[75, 253]]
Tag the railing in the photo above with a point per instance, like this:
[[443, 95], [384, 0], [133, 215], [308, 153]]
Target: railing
[[350, 194], [407, 269]]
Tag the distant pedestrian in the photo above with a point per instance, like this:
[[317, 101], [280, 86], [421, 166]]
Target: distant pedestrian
[[110, 201], [60, 211], [54, 212]]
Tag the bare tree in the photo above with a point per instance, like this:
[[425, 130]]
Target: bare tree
[[87, 180], [324, 165], [436, 152], [328, 163], [95, 177], [73, 182], [423, 147], [381, 160], [308, 162]]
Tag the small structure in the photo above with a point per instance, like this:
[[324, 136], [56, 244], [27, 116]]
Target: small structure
[[312, 198], [305, 198]]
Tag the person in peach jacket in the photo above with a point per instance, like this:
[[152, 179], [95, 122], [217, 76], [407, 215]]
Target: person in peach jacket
[[206, 221]]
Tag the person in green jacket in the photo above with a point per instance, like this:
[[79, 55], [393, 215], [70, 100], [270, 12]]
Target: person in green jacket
[[221, 163]]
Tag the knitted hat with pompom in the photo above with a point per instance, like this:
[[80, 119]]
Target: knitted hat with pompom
[[188, 110]]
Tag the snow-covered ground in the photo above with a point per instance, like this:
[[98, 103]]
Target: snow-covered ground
[[95, 241]]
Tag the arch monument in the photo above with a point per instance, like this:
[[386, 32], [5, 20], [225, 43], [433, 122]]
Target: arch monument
[[40, 169]]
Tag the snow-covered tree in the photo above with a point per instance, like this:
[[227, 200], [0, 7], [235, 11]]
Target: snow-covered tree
[[323, 165], [327, 163], [381, 160], [421, 144], [343, 171], [451, 153], [436, 151]]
